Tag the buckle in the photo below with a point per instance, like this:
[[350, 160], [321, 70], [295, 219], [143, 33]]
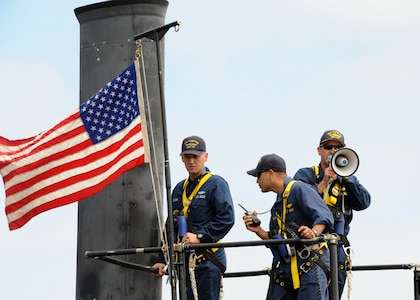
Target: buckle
[[306, 266], [305, 252], [312, 259]]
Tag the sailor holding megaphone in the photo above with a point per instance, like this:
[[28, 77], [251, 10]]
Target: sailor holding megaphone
[[335, 181]]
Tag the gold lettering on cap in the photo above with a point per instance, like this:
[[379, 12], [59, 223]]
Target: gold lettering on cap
[[334, 135], [191, 144]]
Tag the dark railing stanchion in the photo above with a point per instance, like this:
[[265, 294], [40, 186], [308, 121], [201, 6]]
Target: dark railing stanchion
[[331, 239]]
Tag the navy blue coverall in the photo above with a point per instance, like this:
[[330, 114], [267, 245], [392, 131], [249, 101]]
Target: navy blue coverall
[[210, 213], [304, 207], [358, 198]]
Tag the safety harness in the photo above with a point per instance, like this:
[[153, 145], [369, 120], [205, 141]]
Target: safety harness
[[186, 201], [310, 256], [331, 199], [335, 190], [202, 254], [293, 258]]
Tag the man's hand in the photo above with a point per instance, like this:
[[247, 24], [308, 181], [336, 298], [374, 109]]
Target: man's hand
[[190, 238], [160, 267], [329, 174], [249, 223]]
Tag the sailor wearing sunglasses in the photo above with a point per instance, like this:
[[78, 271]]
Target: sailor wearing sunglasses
[[344, 195]]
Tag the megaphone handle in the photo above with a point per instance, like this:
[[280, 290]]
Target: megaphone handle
[[327, 189]]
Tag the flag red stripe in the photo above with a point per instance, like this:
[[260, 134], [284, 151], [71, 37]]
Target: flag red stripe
[[80, 178], [55, 156], [63, 165], [24, 144], [70, 165], [82, 194]]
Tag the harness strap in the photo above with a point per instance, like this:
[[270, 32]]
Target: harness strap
[[345, 240], [330, 195], [282, 228], [206, 255], [295, 272], [203, 254], [186, 201], [315, 258]]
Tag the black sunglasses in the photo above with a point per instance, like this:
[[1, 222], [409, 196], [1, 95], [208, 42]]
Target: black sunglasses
[[329, 146]]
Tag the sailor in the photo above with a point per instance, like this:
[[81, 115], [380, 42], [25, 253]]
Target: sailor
[[344, 195], [204, 201], [299, 271]]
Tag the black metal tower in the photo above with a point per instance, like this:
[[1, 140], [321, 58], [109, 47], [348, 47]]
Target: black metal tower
[[124, 214]]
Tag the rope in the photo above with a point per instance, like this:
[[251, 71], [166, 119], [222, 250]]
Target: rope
[[156, 190], [349, 278], [349, 252], [191, 269]]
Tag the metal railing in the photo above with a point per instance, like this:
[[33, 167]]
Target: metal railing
[[331, 239]]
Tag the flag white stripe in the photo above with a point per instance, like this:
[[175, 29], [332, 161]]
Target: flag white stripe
[[70, 189], [72, 171], [17, 157]]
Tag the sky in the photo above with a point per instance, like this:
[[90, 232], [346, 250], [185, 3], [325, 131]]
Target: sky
[[251, 77]]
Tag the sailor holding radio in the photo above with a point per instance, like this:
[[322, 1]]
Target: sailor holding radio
[[299, 271], [340, 189]]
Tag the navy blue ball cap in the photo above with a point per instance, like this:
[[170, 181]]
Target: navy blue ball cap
[[267, 162], [332, 135], [193, 145]]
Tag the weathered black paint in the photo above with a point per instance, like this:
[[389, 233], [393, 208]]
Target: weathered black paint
[[123, 215]]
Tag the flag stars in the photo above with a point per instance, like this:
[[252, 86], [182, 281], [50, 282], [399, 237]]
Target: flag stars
[[111, 109]]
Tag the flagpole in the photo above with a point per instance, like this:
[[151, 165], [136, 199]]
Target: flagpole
[[157, 34]]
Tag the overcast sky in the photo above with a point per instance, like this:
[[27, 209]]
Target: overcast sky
[[251, 78]]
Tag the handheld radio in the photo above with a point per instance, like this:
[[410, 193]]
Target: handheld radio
[[255, 220]]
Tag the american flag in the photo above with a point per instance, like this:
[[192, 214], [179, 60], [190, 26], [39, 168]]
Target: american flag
[[80, 155]]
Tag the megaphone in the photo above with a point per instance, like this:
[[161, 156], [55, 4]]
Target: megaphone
[[344, 162]]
